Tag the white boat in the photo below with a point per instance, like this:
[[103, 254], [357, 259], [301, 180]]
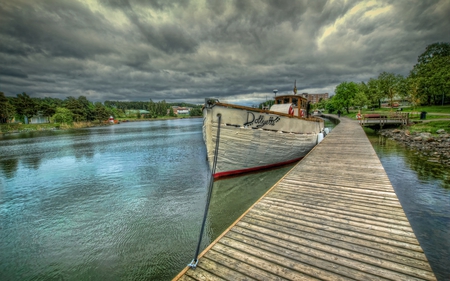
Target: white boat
[[251, 139]]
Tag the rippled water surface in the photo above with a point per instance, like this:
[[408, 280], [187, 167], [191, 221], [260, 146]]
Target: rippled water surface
[[122, 202], [125, 202]]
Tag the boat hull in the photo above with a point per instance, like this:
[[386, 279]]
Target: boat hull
[[251, 140]]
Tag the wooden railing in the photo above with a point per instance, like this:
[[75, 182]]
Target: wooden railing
[[384, 118]]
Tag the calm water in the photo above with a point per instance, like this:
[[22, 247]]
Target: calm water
[[125, 202]]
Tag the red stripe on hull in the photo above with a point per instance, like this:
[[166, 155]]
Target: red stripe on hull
[[235, 172]]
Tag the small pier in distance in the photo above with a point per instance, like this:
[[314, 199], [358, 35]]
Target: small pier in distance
[[334, 216], [380, 120]]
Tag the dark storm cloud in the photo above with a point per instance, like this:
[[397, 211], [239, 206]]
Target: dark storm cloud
[[189, 50], [54, 28], [5, 71]]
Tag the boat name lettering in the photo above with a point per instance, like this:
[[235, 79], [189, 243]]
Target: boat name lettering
[[260, 121]]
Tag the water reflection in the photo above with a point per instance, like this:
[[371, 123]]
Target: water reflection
[[9, 167], [231, 197]]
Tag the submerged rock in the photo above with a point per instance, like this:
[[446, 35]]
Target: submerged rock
[[436, 148]]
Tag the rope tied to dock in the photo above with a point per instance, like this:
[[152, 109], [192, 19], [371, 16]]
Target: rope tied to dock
[[194, 261]]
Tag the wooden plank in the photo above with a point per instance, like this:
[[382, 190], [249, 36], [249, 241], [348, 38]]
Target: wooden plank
[[323, 242], [186, 278], [281, 270], [307, 194], [239, 266], [349, 205], [316, 226], [337, 260], [218, 269], [203, 275], [302, 269], [340, 215], [347, 213]]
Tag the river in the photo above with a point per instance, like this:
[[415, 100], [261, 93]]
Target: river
[[125, 202]]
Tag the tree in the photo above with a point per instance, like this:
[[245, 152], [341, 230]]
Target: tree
[[345, 93], [75, 107], [100, 112], [7, 110], [330, 106], [412, 85], [374, 94], [25, 106], [433, 73], [360, 98], [63, 115], [195, 112], [389, 84]]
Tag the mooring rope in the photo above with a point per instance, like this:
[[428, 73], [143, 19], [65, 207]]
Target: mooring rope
[[194, 262]]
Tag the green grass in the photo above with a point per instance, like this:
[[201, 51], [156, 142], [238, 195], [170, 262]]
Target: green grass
[[18, 127], [11, 127], [434, 109], [430, 127]]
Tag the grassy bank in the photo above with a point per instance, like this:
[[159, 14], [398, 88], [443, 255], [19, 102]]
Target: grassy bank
[[18, 127], [430, 127], [431, 124]]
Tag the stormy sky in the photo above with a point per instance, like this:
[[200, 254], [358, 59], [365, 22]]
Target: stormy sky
[[186, 50]]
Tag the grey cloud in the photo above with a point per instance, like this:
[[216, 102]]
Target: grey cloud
[[189, 50], [53, 28], [6, 71]]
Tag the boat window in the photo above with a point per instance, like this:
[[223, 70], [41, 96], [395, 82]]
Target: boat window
[[295, 101], [286, 100]]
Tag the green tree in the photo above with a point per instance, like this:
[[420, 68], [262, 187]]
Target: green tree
[[345, 93], [374, 93], [7, 110], [360, 98], [101, 112], [389, 84], [330, 105], [82, 109], [414, 94], [195, 112], [63, 115], [75, 107], [433, 73], [25, 106]]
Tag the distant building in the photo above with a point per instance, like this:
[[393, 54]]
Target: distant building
[[315, 98], [180, 110], [39, 118]]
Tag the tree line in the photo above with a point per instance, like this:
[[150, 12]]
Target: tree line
[[23, 107], [428, 83]]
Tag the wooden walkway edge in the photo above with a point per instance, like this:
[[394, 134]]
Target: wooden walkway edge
[[334, 216]]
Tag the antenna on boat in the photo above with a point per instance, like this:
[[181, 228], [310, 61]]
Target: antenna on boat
[[275, 92]]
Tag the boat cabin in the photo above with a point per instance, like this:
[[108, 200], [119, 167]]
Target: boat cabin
[[290, 104], [292, 99]]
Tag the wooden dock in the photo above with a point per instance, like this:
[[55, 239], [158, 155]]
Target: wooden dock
[[334, 216], [380, 120]]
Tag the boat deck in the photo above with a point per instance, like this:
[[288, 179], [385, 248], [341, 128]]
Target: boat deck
[[334, 216]]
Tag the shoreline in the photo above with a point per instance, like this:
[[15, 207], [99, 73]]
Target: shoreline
[[436, 148], [43, 127]]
